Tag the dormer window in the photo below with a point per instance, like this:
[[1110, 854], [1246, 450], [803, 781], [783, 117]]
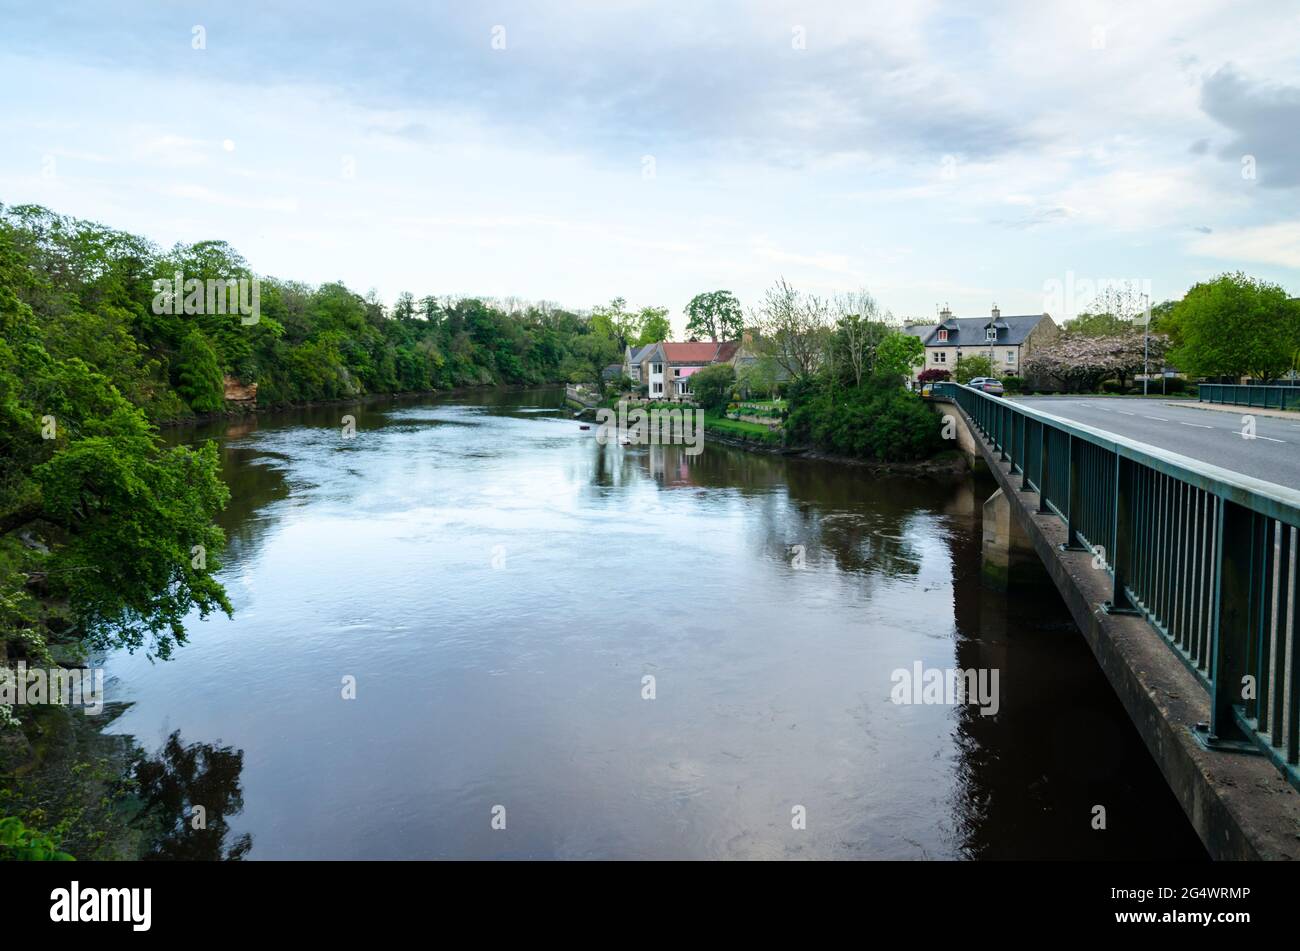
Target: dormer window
[[991, 333], [943, 336]]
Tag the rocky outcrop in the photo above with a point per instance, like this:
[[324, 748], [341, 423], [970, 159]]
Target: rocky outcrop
[[244, 394]]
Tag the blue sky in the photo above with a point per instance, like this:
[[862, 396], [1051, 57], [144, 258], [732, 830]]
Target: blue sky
[[578, 151]]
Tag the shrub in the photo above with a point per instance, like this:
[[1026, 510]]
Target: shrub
[[1013, 384], [1112, 386], [874, 421]]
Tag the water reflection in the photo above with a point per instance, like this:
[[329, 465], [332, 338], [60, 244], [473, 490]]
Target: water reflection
[[189, 785], [500, 585]]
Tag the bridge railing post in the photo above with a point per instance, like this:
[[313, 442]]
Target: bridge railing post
[[1230, 631], [1043, 467], [1121, 558], [1074, 496]]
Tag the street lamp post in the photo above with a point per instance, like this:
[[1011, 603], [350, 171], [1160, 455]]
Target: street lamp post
[[1146, 347]]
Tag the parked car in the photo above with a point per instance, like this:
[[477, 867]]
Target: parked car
[[988, 384]]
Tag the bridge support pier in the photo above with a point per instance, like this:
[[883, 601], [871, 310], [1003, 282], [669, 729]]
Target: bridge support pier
[[1009, 558]]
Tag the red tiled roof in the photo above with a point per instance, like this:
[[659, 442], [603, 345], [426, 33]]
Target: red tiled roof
[[699, 353]]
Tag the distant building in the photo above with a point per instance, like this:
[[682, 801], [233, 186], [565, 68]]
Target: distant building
[[665, 369], [1006, 341]]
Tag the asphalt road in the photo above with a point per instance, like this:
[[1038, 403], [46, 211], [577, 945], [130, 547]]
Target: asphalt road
[[1205, 435]]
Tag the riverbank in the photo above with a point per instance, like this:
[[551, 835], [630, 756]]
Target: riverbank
[[365, 399], [751, 437]]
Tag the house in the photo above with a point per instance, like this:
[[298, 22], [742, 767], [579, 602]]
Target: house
[[1006, 340], [666, 368], [632, 362]]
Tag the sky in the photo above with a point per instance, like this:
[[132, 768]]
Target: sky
[[1023, 155]]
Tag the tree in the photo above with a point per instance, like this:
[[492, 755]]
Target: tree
[[615, 322], [897, 355], [1074, 362], [130, 524], [858, 332], [716, 315], [969, 367], [1235, 326], [198, 378], [795, 329], [654, 325], [933, 375], [711, 387], [760, 375]]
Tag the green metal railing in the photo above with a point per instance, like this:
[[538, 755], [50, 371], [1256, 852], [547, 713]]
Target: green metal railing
[[1207, 556], [1281, 396]]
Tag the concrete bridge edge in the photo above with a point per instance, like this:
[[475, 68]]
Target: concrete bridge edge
[[1241, 806]]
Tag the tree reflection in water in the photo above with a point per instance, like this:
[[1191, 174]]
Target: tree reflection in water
[[181, 777]]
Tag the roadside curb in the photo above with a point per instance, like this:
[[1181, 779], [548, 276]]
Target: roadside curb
[[1239, 410]]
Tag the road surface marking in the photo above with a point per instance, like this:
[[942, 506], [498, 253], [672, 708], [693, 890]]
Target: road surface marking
[[1257, 436], [1197, 425], [1125, 412], [1161, 418]]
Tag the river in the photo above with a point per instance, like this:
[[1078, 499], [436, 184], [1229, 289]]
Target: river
[[621, 652]]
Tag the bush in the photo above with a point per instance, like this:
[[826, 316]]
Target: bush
[[711, 387], [1112, 386], [1013, 384], [875, 421]]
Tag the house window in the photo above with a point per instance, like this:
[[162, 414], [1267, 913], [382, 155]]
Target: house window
[[1011, 356], [940, 357], [656, 368], [677, 372], [943, 336], [991, 334], [656, 389]]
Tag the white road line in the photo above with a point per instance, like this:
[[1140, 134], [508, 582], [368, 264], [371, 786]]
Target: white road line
[[1257, 436], [1125, 413], [1161, 418], [1197, 425]]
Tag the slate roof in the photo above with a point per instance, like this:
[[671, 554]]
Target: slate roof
[[970, 331]]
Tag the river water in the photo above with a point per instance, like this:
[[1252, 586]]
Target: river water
[[500, 588]]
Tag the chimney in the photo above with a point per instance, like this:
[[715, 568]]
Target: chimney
[[945, 314], [996, 313]]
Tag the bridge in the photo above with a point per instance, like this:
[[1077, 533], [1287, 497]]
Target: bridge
[[1182, 576]]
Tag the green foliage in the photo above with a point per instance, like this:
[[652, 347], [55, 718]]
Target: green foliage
[[711, 387], [1235, 326], [20, 843], [897, 355], [654, 326], [715, 315], [198, 378], [879, 421], [969, 367], [82, 465], [1012, 384], [1098, 325]]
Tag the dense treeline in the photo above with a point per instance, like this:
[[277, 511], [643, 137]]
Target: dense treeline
[[107, 536], [93, 293]]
